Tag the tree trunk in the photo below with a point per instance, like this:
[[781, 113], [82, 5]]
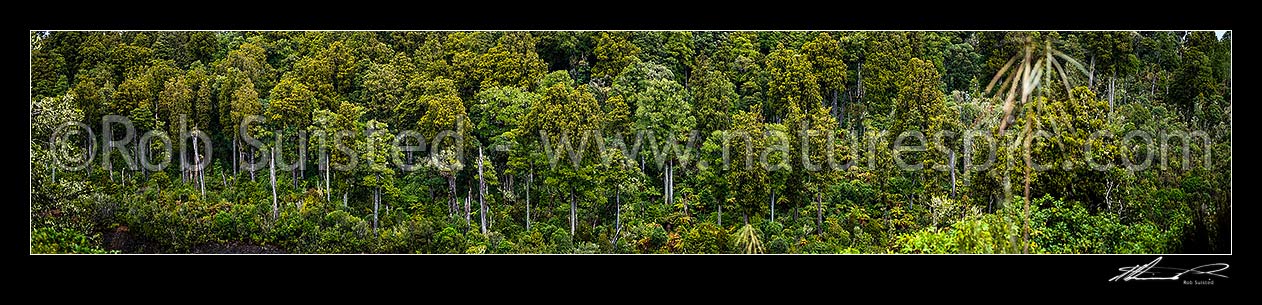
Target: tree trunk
[[481, 192], [236, 154], [834, 108], [819, 212], [109, 163], [1026, 232], [452, 203], [773, 206], [272, 164], [197, 167], [1112, 85], [573, 212], [617, 199], [952, 165], [376, 203], [468, 221], [302, 157], [140, 155], [528, 180], [328, 189], [1091, 75], [720, 213], [666, 186], [859, 84]]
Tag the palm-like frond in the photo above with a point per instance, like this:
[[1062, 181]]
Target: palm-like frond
[[747, 238], [1025, 71]]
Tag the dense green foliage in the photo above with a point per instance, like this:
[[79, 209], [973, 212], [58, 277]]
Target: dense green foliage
[[627, 142]]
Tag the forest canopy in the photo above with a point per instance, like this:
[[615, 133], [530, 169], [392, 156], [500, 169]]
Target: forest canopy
[[630, 142]]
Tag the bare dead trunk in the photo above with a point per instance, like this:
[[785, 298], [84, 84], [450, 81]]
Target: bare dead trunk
[[859, 84], [272, 164], [666, 187], [452, 202], [952, 165], [528, 181], [302, 157], [617, 199], [197, 167], [481, 191], [376, 203], [328, 188], [467, 220], [1091, 75], [819, 212], [1026, 233], [140, 155], [1112, 85], [573, 212]]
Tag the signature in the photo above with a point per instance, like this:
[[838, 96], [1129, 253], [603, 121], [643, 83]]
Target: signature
[[1150, 271]]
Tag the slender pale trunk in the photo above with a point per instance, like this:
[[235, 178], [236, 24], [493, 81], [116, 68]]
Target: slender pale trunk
[[952, 174], [108, 163], [1091, 75], [236, 154], [528, 181], [481, 192], [140, 155], [773, 206], [197, 167], [617, 220], [720, 213], [328, 188], [1112, 85], [666, 186], [859, 84], [183, 164], [52, 150], [819, 212], [302, 157], [1026, 232], [452, 202], [376, 203], [252, 167], [573, 212], [272, 164], [468, 197]]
